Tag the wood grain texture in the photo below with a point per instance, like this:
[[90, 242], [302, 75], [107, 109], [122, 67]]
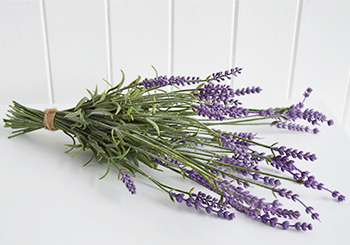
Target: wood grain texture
[[139, 38], [323, 57], [77, 44], [346, 113], [22, 58], [86, 41], [264, 45], [202, 36]]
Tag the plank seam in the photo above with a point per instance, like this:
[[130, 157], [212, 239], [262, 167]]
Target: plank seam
[[346, 103], [47, 52], [233, 38], [290, 81], [108, 42]]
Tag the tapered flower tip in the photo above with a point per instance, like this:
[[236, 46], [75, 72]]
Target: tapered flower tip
[[330, 122], [285, 225], [316, 130], [341, 198]]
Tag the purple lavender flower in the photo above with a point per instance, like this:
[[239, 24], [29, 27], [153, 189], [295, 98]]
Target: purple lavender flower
[[129, 183], [218, 111], [195, 176], [301, 226], [222, 93], [285, 225], [158, 161], [330, 122], [295, 127], [295, 197], [162, 81], [244, 202], [231, 140], [212, 111], [221, 76], [295, 153], [216, 93], [337, 195], [203, 201], [307, 93], [235, 144], [295, 112], [244, 91], [249, 161], [282, 163], [236, 197]]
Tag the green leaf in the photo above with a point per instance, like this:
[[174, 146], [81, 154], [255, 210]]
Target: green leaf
[[89, 161], [171, 197], [121, 157], [155, 71], [109, 84], [103, 97], [90, 93], [96, 91], [76, 154], [119, 135], [100, 112], [108, 166], [122, 81], [80, 103], [72, 147], [154, 125], [93, 143], [134, 160], [73, 114], [118, 108]]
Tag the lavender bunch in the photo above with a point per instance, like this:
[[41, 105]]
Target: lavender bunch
[[138, 127]]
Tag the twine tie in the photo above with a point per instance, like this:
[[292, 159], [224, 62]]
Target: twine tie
[[48, 119]]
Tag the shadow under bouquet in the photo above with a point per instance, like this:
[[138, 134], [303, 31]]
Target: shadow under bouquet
[[141, 125]]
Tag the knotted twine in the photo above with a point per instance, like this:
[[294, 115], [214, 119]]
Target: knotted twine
[[48, 119]]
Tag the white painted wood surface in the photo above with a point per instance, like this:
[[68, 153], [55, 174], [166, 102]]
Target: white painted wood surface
[[51, 50], [22, 56]]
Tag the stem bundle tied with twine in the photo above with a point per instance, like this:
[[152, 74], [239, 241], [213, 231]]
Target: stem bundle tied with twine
[[141, 123], [49, 115]]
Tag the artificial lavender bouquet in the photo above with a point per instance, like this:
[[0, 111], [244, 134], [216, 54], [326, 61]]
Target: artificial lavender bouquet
[[140, 126]]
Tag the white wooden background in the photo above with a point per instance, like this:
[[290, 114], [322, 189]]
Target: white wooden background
[[51, 50]]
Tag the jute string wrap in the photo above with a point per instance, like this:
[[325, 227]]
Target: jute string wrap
[[48, 119]]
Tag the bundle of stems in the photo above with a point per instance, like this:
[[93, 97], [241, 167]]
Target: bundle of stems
[[143, 124]]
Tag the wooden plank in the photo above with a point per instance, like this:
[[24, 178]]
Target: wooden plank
[[139, 38], [22, 59], [264, 45], [202, 37], [346, 112], [324, 53], [77, 46]]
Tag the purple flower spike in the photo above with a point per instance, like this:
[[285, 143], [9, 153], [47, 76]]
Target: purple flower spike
[[218, 111], [221, 76], [207, 202], [292, 126], [215, 93], [330, 122], [295, 153], [162, 81], [341, 198], [285, 225], [129, 183], [307, 93], [302, 226]]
